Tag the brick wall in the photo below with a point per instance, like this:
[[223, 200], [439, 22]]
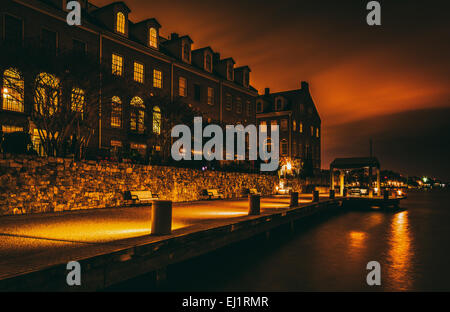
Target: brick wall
[[36, 185]]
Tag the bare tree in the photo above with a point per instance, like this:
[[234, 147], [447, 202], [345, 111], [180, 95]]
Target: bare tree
[[68, 93]]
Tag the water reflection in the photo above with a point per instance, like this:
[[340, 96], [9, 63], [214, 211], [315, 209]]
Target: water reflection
[[400, 253]]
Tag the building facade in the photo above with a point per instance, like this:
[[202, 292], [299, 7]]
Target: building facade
[[201, 78], [299, 122]]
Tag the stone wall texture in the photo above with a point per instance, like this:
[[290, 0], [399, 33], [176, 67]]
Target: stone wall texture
[[38, 185]]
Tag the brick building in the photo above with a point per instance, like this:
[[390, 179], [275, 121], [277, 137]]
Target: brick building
[[300, 125], [211, 84]]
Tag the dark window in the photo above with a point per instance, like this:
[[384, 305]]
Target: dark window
[[79, 46], [13, 29], [49, 40], [208, 62], [197, 92]]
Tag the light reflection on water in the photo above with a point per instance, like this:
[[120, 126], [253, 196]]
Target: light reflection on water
[[400, 253]]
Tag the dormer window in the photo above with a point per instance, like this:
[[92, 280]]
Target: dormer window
[[186, 52], [153, 38], [278, 104], [246, 79], [120, 23], [208, 62], [230, 71]]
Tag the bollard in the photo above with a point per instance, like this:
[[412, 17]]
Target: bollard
[[254, 205], [315, 196], [161, 217], [294, 199], [332, 194], [386, 195]]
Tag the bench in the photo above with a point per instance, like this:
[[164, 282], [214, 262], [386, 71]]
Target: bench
[[214, 194], [254, 191], [140, 196]]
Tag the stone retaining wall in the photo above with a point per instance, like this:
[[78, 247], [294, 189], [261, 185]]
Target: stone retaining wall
[[37, 185]]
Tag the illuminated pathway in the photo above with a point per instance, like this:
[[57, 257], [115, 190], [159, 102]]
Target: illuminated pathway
[[28, 243]]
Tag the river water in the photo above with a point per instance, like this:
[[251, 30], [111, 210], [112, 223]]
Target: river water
[[330, 253]]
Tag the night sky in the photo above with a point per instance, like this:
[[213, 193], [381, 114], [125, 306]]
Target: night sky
[[389, 83]]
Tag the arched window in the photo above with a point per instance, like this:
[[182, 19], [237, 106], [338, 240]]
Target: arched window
[[116, 112], [46, 97], [120, 23], [12, 91], [259, 107], [156, 120], [153, 38], [137, 116], [78, 100]]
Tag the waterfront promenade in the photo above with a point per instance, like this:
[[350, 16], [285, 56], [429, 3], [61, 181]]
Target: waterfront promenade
[[35, 248]]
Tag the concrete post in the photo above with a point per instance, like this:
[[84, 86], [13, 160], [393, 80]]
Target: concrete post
[[341, 182], [254, 207], [316, 196], [332, 194], [294, 199], [161, 217]]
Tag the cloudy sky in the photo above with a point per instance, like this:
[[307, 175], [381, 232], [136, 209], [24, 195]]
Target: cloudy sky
[[389, 83]]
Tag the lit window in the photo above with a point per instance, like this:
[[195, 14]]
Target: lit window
[[263, 126], [12, 91], [157, 78], [312, 131], [182, 90], [37, 142], [273, 123], [138, 72], [46, 97], [116, 143], [210, 96], [284, 124], [116, 112], [156, 120], [153, 40], [228, 102], [300, 127], [284, 147], [317, 132], [239, 105], [137, 116], [120, 23], [117, 65], [11, 129], [78, 100], [294, 125]]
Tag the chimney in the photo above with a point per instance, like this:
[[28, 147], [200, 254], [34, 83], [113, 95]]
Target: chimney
[[174, 36], [305, 86], [216, 57], [267, 91]]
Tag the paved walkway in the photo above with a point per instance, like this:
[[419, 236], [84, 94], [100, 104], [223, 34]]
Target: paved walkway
[[29, 243]]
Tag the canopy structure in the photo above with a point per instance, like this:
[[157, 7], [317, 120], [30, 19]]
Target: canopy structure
[[342, 164]]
